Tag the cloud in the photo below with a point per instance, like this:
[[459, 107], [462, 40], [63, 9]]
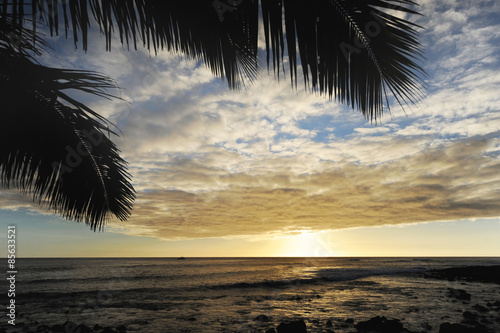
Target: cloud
[[373, 130], [269, 160], [11, 199], [455, 181]]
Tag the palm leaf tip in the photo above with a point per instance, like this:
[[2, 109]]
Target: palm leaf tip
[[353, 51], [59, 150], [357, 52]]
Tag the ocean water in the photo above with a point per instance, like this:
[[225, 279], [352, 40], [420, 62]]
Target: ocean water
[[227, 294]]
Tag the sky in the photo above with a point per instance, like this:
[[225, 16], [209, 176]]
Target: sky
[[275, 171]]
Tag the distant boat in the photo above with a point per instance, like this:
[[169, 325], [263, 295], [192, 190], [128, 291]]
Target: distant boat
[[181, 258]]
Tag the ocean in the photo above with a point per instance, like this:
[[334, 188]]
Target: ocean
[[228, 294]]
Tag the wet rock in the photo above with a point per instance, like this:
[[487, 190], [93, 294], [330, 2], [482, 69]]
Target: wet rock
[[480, 308], [486, 274], [459, 294], [262, 318], [296, 326], [121, 329], [80, 329], [41, 328], [58, 328], [459, 328], [412, 309], [108, 330], [426, 326], [469, 316], [380, 324]]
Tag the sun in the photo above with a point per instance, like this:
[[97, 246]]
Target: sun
[[308, 244]]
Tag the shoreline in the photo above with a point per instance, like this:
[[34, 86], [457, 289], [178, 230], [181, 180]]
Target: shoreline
[[458, 292], [485, 274]]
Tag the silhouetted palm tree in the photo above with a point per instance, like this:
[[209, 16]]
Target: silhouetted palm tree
[[53, 146], [354, 51]]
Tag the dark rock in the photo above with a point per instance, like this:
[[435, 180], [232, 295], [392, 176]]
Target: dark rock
[[480, 308], [58, 328], [329, 331], [486, 274], [108, 330], [329, 323], [459, 294], [41, 328], [97, 327], [271, 330], [262, 318], [296, 326], [496, 303], [141, 322], [469, 316], [191, 319], [459, 328], [121, 329], [78, 329], [481, 328], [349, 321], [426, 326], [380, 324]]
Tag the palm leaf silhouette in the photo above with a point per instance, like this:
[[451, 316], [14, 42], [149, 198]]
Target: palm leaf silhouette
[[55, 148], [353, 51]]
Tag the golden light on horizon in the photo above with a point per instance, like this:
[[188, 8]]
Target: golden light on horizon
[[308, 244]]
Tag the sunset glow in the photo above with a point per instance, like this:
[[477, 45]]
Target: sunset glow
[[276, 171]]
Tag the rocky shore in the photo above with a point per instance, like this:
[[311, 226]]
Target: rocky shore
[[478, 318], [473, 322], [472, 314], [486, 274], [66, 327]]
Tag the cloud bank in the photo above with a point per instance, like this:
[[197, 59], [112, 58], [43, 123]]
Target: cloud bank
[[268, 160]]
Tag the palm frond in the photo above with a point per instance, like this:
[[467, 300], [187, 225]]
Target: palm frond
[[351, 50], [57, 149], [226, 40]]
